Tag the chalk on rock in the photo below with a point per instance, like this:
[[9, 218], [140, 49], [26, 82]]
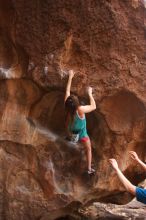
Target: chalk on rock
[[46, 69], [63, 73]]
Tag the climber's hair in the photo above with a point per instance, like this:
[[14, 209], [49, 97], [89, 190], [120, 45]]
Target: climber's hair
[[71, 105]]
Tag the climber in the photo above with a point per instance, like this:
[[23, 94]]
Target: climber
[[140, 193], [76, 120]]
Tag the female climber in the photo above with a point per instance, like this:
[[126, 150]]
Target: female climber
[[76, 120]]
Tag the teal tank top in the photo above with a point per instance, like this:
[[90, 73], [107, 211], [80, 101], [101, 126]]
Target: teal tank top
[[78, 126]]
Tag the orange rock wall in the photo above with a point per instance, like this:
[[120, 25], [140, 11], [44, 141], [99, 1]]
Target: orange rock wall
[[42, 175]]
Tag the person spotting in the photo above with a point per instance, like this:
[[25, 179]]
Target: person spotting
[[140, 193]]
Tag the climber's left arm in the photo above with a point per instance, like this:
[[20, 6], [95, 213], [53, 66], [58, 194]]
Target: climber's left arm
[[68, 87]]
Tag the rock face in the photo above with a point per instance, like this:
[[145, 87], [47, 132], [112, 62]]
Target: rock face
[[110, 211], [42, 175]]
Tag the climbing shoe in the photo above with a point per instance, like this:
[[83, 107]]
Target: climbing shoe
[[91, 172]]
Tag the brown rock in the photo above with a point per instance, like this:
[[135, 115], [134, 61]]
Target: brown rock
[[110, 211], [42, 176]]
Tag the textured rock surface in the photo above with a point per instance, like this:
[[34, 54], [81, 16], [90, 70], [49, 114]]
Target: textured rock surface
[[43, 176], [110, 211]]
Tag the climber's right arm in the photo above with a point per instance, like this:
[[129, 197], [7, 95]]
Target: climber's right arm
[[92, 106]]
